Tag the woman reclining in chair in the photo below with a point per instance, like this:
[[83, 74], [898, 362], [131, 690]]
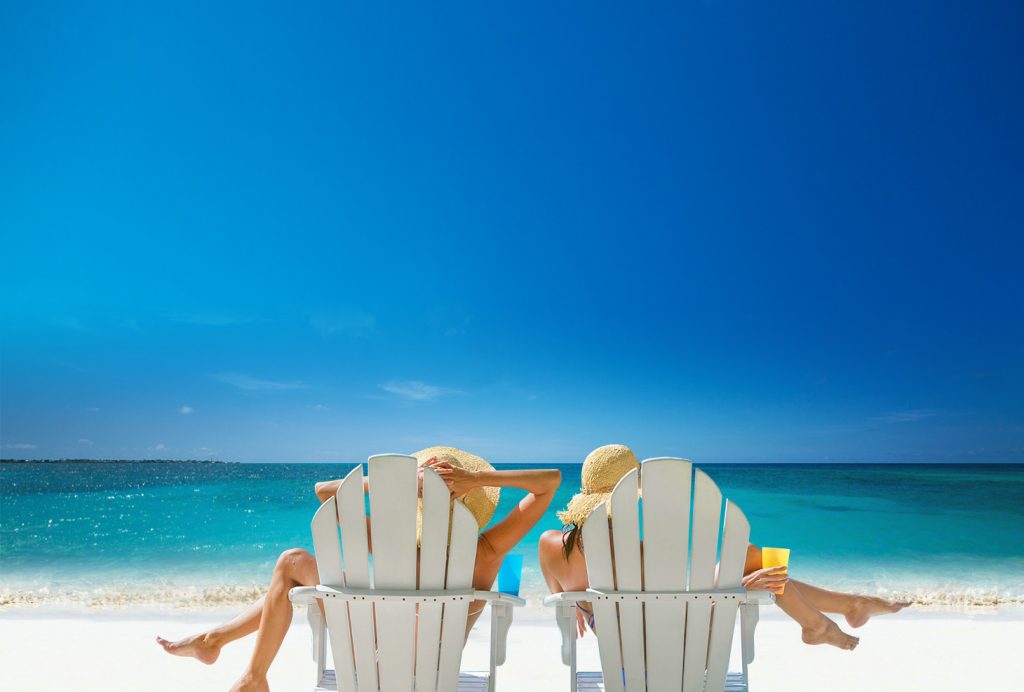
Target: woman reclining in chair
[[468, 477], [565, 568]]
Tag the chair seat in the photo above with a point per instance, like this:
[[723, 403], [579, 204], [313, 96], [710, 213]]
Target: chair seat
[[594, 682], [468, 682]]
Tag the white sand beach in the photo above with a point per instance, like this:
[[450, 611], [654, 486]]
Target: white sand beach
[[109, 650]]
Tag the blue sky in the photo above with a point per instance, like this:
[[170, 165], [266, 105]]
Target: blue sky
[[733, 231]]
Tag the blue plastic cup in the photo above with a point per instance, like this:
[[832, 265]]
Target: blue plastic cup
[[510, 574]]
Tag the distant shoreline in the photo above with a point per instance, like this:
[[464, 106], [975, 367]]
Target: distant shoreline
[[710, 464], [116, 461]]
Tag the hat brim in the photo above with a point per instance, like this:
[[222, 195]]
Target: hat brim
[[580, 507]]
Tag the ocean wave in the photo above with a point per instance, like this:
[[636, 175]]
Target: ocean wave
[[112, 597], [954, 598]]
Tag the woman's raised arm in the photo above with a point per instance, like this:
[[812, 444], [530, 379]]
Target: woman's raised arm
[[540, 484]]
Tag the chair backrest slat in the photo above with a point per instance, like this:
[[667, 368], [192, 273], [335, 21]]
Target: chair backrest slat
[[707, 508], [433, 557], [393, 479], [328, 564], [597, 545], [735, 537], [326, 546], [665, 484], [355, 549], [626, 541], [461, 560]]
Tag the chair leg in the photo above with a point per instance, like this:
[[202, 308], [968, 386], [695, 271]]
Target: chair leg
[[495, 615], [573, 682], [748, 623], [565, 616], [319, 636]]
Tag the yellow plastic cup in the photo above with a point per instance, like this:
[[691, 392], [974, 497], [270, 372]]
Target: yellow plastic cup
[[775, 557]]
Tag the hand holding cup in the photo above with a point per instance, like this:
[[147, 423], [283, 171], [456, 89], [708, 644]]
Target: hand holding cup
[[767, 579]]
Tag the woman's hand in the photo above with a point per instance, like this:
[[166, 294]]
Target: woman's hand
[[581, 624], [459, 480], [768, 579], [431, 463]]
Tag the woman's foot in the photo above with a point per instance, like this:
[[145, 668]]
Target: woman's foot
[[868, 606], [197, 646], [251, 683], [828, 632]]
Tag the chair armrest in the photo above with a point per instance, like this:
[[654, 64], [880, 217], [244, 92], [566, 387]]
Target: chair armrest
[[700, 595], [567, 598], [303, 595], [759, 597], [309, 594], [496, 598], [346, 593]]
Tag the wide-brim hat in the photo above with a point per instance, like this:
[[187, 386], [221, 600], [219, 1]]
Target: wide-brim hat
[[481, 502], [602, 470]]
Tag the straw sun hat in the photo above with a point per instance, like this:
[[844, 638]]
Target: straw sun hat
[[480, 501], [602, 469]]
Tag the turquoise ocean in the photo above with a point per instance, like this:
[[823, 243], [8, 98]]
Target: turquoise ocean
[[208, 534]]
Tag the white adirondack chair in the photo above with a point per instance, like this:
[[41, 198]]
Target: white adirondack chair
[[385, 633], [663, 632]]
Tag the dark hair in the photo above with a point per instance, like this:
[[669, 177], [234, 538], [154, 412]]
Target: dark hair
[[572, 537]]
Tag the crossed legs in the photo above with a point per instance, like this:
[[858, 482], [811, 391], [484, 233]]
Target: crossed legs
[[269, 617], [807, 604]]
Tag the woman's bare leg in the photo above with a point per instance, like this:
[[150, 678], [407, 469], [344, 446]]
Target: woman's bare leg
[[857, 609], [294, 568], [817, 629], [205, 646]]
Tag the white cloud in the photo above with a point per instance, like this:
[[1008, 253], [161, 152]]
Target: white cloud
[[186, 410], [351, 322], [20, 445], [318, 407], [159, 447], [905, 416], [83, 441], [250, 383], [414, 390]]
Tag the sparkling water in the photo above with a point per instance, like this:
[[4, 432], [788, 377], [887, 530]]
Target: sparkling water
[[205, 533]]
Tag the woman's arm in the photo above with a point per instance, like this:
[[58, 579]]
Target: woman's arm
[[534, 481], [325, 490], [540, 484]]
